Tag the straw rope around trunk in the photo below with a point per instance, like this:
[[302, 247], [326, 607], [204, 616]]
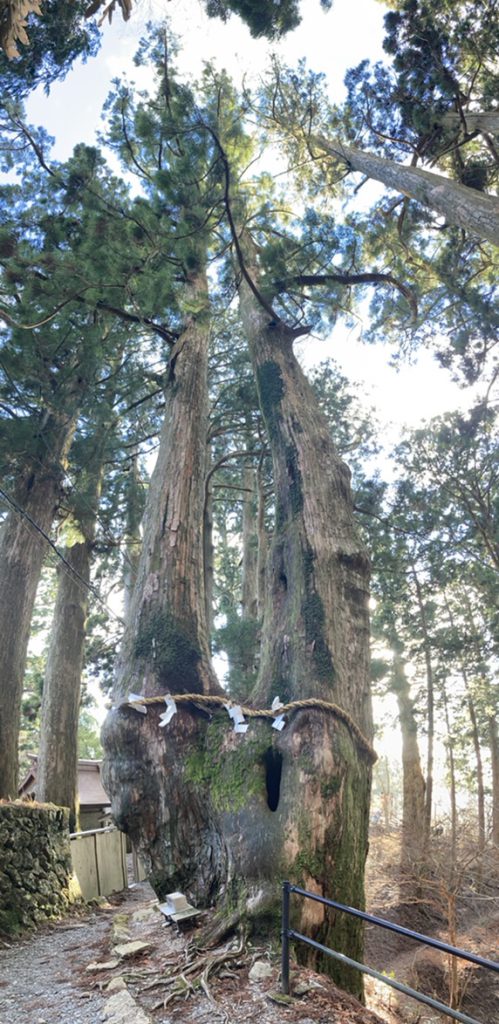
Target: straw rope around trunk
[[207, 700]]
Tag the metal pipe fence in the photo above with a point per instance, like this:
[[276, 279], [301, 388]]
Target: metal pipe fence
[[289, 933]]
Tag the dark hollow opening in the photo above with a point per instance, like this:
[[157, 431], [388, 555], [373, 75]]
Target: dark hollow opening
[[273, 771]]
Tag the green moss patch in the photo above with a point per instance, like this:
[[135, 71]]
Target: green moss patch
[[166, 643]]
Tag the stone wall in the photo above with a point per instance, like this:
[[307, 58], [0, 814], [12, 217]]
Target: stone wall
[[35, 865]]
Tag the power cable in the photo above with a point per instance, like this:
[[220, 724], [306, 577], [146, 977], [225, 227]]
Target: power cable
[[68, 568]]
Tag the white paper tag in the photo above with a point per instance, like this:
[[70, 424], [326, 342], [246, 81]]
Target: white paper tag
[[135, 699]]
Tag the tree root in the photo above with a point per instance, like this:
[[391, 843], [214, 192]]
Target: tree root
[[189, 978]]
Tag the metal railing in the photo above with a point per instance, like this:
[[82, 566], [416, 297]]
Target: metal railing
[[289, 933]]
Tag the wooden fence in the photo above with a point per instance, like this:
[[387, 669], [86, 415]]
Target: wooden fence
[[99, 861]]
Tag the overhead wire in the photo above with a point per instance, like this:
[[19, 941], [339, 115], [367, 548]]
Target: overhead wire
[[28, 521]]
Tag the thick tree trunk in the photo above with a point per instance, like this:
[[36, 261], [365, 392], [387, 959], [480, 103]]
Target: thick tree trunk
[[134, 498], [249, 587], [58, 755], [262, 542], [296, 802], [148, 770], [208, 559], [413, 808], [22, 553], [459, 204]]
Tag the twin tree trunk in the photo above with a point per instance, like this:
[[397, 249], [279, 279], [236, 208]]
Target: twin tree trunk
[[225, 816], [22, 552]]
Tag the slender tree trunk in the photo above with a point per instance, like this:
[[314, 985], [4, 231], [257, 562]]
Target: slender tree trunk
[[471, 120], [466, 207], [150, 772], [413, 810], [478, 760], [474, 733], [57, 760], [22, 553], [301, 807], [57, 775], [430, 704], [494, 755], [452, 788]]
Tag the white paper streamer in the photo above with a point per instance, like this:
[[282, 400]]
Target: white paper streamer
[[135, 698], [171, 710], [279, 722], [234, 711], [276, 704]]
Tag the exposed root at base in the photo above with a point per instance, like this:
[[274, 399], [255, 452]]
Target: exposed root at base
[[191, 977]]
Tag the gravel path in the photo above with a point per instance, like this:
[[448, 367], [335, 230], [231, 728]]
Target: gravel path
[[43, 979]]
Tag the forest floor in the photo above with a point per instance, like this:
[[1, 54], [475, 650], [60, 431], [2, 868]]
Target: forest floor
[[83, 970], [420, 967], [72, 973]]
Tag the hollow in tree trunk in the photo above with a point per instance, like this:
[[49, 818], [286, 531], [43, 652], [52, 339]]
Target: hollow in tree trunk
[[295, 803]]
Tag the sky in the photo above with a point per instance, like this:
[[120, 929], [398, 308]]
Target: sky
[[332, 42]]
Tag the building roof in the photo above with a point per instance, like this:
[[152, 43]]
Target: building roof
[[91, 792]]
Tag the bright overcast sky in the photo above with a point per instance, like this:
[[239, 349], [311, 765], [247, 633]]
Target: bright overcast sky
[[332, 42]]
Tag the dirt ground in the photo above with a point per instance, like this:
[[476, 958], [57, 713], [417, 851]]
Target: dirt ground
[[418, 966], [83, 969], [70, 972]]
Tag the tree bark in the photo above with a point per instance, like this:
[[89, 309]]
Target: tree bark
[[57, 774], [452, 789], [413, 808], [155, 797], [133, 540], [494, 754], [297, 801], [249, 586], [459, 204], [22, 553], [472, 120], [475, 735], [430, 705]]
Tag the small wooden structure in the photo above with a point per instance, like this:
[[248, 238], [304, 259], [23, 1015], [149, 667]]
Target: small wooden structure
[[95, 805]]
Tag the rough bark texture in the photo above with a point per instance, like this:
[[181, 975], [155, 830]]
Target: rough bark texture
[[430, 704], [494, 755], [249, 593], [133, 540], [471, 120], [165, 647], [57, 761], [459, 204], [480, 787], [22, 552], [57, 776], [413, 813], [295, 803]]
